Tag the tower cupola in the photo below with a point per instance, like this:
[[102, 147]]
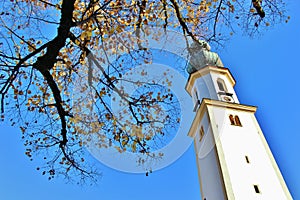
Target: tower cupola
[[201, 56], [208, 78]]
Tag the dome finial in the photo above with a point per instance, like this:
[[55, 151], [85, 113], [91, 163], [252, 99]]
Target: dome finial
[[201, 56]]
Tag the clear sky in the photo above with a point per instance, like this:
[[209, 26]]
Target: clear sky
[[267, 72]]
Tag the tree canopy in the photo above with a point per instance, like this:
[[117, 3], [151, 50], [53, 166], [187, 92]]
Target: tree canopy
[[46, 45]]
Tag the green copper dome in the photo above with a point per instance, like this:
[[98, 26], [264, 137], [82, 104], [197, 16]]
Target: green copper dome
[[201, 56]]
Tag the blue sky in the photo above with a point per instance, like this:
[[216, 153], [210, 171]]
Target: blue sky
[[267, 72]]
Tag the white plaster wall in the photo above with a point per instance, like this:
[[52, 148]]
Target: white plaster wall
[[205, 88], [209, 170], [237, 142]]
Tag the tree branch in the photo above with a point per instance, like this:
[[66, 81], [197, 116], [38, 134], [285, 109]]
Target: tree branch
[[181, 20], [47, 61]]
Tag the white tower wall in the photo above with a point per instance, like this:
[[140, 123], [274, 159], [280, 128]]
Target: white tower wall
[[209, 176], [233, 157]]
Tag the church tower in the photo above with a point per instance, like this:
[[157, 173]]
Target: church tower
[[234, 160]]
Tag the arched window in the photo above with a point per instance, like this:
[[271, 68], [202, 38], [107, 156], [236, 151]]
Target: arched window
[[201, 132], [196, 94], [231, 118], [221, 85], [237, 121], [196, 99]]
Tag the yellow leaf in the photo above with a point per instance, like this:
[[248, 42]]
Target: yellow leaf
[[119, 29], [133, 147], [148, 137], [31, 48], [124, 142], [89, 33]]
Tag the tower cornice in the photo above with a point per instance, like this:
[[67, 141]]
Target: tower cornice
[[194, 76], [210, 102]]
